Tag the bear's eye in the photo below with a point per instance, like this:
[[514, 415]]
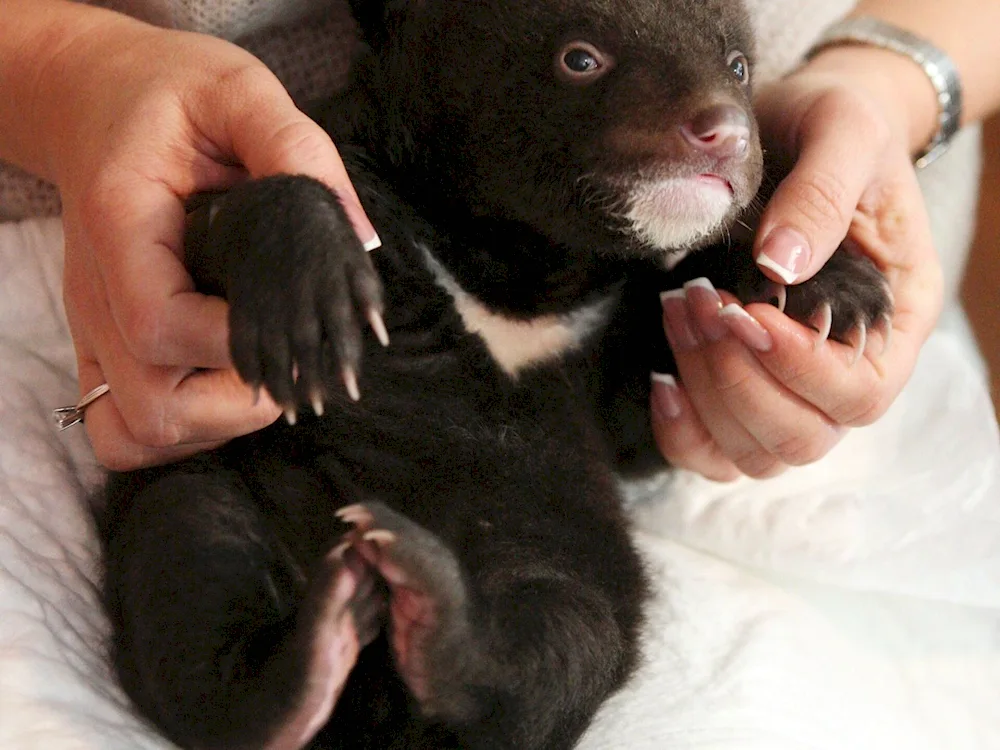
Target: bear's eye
[[581, 62], [740, 67]]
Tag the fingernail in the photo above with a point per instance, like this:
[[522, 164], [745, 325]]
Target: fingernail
[[704, 303], [669, 405], [677, 321], [746, 328], [359, 220], [787, 253]]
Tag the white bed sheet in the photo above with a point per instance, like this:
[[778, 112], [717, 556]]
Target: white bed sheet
[[853, 605]]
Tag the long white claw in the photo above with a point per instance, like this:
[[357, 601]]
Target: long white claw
[[884, 326], [824, 322], [890, 295], [347, 510], [772, 292], [381, 537], [782, 295], [338, 552], [356, 514], [317, 404], [861, 341], [378, 326], [291, 417], [351, 384]]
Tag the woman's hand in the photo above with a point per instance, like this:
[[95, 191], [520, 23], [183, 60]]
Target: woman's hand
[[146, 117], [756, 395]]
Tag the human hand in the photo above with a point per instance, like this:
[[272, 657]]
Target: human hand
[[141, 118], [758, 391]]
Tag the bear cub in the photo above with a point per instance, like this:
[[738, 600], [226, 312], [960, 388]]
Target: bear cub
[[431, 551]]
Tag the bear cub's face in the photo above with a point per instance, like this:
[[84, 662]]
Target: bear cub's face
[[615, 125]]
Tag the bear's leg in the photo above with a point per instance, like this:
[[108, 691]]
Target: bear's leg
[[516, 653], [221, 638]]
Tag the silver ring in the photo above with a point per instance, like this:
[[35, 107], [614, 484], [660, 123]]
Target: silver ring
[[67, 416]]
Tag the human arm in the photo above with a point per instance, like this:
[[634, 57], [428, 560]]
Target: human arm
[[129, 120], [852, 118]]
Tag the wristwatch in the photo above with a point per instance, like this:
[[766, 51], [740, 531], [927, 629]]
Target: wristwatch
[[938, 66]]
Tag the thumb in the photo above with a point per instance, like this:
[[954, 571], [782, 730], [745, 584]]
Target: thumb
[[270, 135], [811, 211]]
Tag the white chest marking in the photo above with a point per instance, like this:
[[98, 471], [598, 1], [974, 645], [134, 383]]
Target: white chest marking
[[516, 344]]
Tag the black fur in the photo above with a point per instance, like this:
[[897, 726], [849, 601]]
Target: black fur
[[499, 491]]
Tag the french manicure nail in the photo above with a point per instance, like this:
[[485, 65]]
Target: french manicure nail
[[787, 253], [704, 303], [670, 404], [373, 244], [746, 328], [677, 319]]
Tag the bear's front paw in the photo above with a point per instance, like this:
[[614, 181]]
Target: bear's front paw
[[845, 300], [300, 285]]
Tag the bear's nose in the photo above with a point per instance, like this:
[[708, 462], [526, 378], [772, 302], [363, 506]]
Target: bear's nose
[[722, 130]]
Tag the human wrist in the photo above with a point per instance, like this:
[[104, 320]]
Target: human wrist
[[896, 83], [38, 57]]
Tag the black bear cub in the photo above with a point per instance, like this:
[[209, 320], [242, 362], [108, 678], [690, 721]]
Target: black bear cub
[[431, 551]]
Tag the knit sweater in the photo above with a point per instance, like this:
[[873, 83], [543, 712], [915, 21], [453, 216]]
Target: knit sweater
[[307, 44]]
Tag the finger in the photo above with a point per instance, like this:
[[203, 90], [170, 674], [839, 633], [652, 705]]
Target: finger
[[163, 407], [136, 227], [110, 438], [269, 135], [786, 426], [192, 417], [781, 425], [848, 392], [681, 436], [893, 228], [184, 319], [732, 437], [811, 210]]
